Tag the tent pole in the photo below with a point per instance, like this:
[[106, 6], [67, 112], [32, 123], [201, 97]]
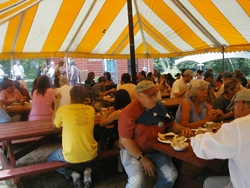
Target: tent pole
[[66, 61], [223, 58], [11, 69], [131, 38]]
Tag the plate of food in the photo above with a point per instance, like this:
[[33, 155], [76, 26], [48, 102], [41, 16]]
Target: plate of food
[[180, 146], [97, 114], [166, 138]]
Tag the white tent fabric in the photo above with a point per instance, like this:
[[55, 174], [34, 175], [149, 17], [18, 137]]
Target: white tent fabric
[[99, 28]]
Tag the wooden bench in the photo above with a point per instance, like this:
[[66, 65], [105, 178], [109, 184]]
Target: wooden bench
[[48, 166]]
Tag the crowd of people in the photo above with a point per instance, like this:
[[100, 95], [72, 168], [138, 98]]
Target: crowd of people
[[138, 115]]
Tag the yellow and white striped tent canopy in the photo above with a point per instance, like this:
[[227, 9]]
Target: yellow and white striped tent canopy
[[99, 28]]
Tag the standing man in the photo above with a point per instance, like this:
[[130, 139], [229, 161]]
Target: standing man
[[58, 73], [141, 120], [2, 75], [73, 74], [231, 142], [17, 70], [180, 86]]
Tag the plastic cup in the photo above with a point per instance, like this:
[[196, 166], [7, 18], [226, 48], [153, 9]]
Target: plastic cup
[[104, 111], [209, 126]]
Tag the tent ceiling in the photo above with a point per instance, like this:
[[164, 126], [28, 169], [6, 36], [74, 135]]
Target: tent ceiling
[[99, 28]]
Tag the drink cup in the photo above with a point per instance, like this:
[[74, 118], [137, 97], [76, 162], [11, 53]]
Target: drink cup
[[209, 126], [104, 111]]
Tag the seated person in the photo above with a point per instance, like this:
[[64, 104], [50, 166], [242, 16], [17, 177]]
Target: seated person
[[4, 117], [109, 81], [137, 123], [122, 99], [99, 90], [22, 90], [9, 94], [162, 84], [193, 111], [78, 144], [231, 87]]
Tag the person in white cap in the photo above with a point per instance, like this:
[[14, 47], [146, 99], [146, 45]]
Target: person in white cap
[[180, 86], [141, 120], [231, 142]]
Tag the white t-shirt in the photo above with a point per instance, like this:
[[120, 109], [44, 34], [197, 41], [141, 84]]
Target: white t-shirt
[[64, 90], [231, 142], [178, 86], [18, 71], [130, 88]]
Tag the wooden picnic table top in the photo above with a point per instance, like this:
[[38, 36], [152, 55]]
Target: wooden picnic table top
[[17, 107], [187, 156]]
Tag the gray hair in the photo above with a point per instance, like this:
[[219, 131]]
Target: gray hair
[[63, 81], [194, 87]]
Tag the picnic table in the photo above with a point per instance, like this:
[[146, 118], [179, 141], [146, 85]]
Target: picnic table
[[18, 108], [185, 156], [43, 132]]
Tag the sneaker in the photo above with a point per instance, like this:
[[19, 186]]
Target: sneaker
[[87, 185], [77, 184]]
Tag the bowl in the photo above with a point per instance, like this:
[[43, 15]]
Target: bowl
[[180, 146]]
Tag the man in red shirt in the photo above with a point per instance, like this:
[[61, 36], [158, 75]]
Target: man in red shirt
[[141, 120]]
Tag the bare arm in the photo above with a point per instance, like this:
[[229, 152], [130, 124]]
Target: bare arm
[[181, 93], [56, 106], [133, 150], [109, 117], [106, 92]]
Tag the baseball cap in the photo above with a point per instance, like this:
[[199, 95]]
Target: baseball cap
[[227, 74], [188, 73], [208, 74], [147, 87], [243, 95]]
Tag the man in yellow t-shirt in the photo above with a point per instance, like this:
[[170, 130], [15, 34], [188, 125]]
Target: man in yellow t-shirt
[[79, 146]]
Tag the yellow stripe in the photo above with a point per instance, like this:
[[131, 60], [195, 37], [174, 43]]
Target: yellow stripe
[[127, 41], [27, 22], [8, 3], [102, 22], [178, 25], [107, 56], [67, 14], [208, 10], [125, 33], [165, 40], [10, 34], [245, 5], [14, 10], [141, 49]]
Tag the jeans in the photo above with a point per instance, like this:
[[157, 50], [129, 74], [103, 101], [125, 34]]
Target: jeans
[[136, 176], [58, 156]]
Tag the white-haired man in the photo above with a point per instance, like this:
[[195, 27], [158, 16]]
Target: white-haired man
[[64, 89], [231, 142], [141, 120]]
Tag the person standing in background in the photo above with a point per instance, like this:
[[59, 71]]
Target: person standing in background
[[73, 73], [2, 75], [58, 73], [17, 70]]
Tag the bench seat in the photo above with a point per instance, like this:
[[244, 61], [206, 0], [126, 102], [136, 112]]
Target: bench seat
[[48, 166]]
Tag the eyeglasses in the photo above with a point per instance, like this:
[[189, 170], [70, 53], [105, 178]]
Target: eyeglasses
[[151, 96]]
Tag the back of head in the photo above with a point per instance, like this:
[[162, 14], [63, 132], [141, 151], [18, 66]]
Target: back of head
[[43, 83], [18, 77], [143, 74], [194, 87], [208, 75], [63, 81], [238, 73], [126, 78], [230, 84], [102, 79], [7, 83], [227, 74], [108, 75], [122, 99], [149, 74], [200, 71], [72, 62], [78, 94]]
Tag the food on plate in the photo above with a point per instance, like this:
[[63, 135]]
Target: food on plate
[[179, 139], [168, 136], [97, 114], [179, 146]]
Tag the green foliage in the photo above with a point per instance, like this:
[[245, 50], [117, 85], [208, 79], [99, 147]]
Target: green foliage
[[187, 65]]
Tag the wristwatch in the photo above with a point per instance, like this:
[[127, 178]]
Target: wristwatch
[[139, 158]]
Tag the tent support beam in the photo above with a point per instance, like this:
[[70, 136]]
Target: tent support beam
[[141, 29], [131, 39], [202, 29], [223, 58]]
